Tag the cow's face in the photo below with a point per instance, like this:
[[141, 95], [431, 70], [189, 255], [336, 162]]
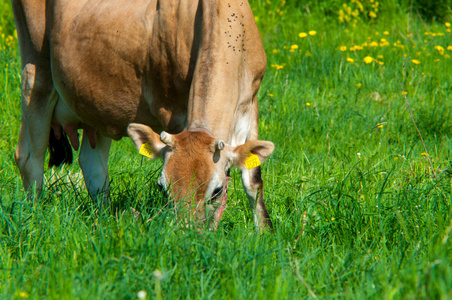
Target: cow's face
[[196, 167]]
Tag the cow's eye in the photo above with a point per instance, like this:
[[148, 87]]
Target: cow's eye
[[217, 192]]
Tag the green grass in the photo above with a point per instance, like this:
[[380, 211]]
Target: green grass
[[358, 210]]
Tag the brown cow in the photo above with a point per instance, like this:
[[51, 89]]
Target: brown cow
[[118, 67]]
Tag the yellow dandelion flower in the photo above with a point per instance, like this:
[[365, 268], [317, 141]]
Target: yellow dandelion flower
[[440, 49], [332, 219], [276, 50], [361, 8], [302, 34], [308, 104], [308, 53], [341, 15], [380, 56], [368, 59], [373, 44], [312, 32], [446, 56], [350, 60], [424, 154], [380, 126], [440, 34], [294, 47], [433, 34], [277, 67], [256, 19], [404, 93], [449, 48], [372, 15], [447, 24], [415, 61], [448, 30], [358, 85], [427, 33], [343, 48], [385, 33]]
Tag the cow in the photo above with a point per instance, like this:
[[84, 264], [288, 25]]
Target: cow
[[190, 69]]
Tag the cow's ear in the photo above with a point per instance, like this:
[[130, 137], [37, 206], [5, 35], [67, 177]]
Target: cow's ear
[[146, 140], [251, 154]]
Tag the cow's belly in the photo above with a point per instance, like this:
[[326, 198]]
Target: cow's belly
[[108, 116], [95, 92]]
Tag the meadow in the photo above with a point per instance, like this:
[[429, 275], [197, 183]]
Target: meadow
[[357, 99]]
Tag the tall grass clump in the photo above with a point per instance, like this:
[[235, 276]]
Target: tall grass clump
[[359, 187]]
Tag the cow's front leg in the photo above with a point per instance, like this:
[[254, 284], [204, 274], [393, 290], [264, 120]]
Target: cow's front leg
[[94, 165], [38, 102], [254, 188]]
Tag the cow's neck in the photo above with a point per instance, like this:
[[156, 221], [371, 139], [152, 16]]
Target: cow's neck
[[225, 80]]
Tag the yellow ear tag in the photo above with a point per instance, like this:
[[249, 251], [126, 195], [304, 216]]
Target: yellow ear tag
[[252, 161], [146, 150]]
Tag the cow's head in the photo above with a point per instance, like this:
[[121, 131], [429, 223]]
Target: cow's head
[[196, 167]]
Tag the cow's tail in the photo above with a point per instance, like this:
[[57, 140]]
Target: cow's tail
[[60, 150]]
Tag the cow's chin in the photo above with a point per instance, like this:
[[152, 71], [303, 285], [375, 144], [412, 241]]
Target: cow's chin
[[207, 218], [204, 215]]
